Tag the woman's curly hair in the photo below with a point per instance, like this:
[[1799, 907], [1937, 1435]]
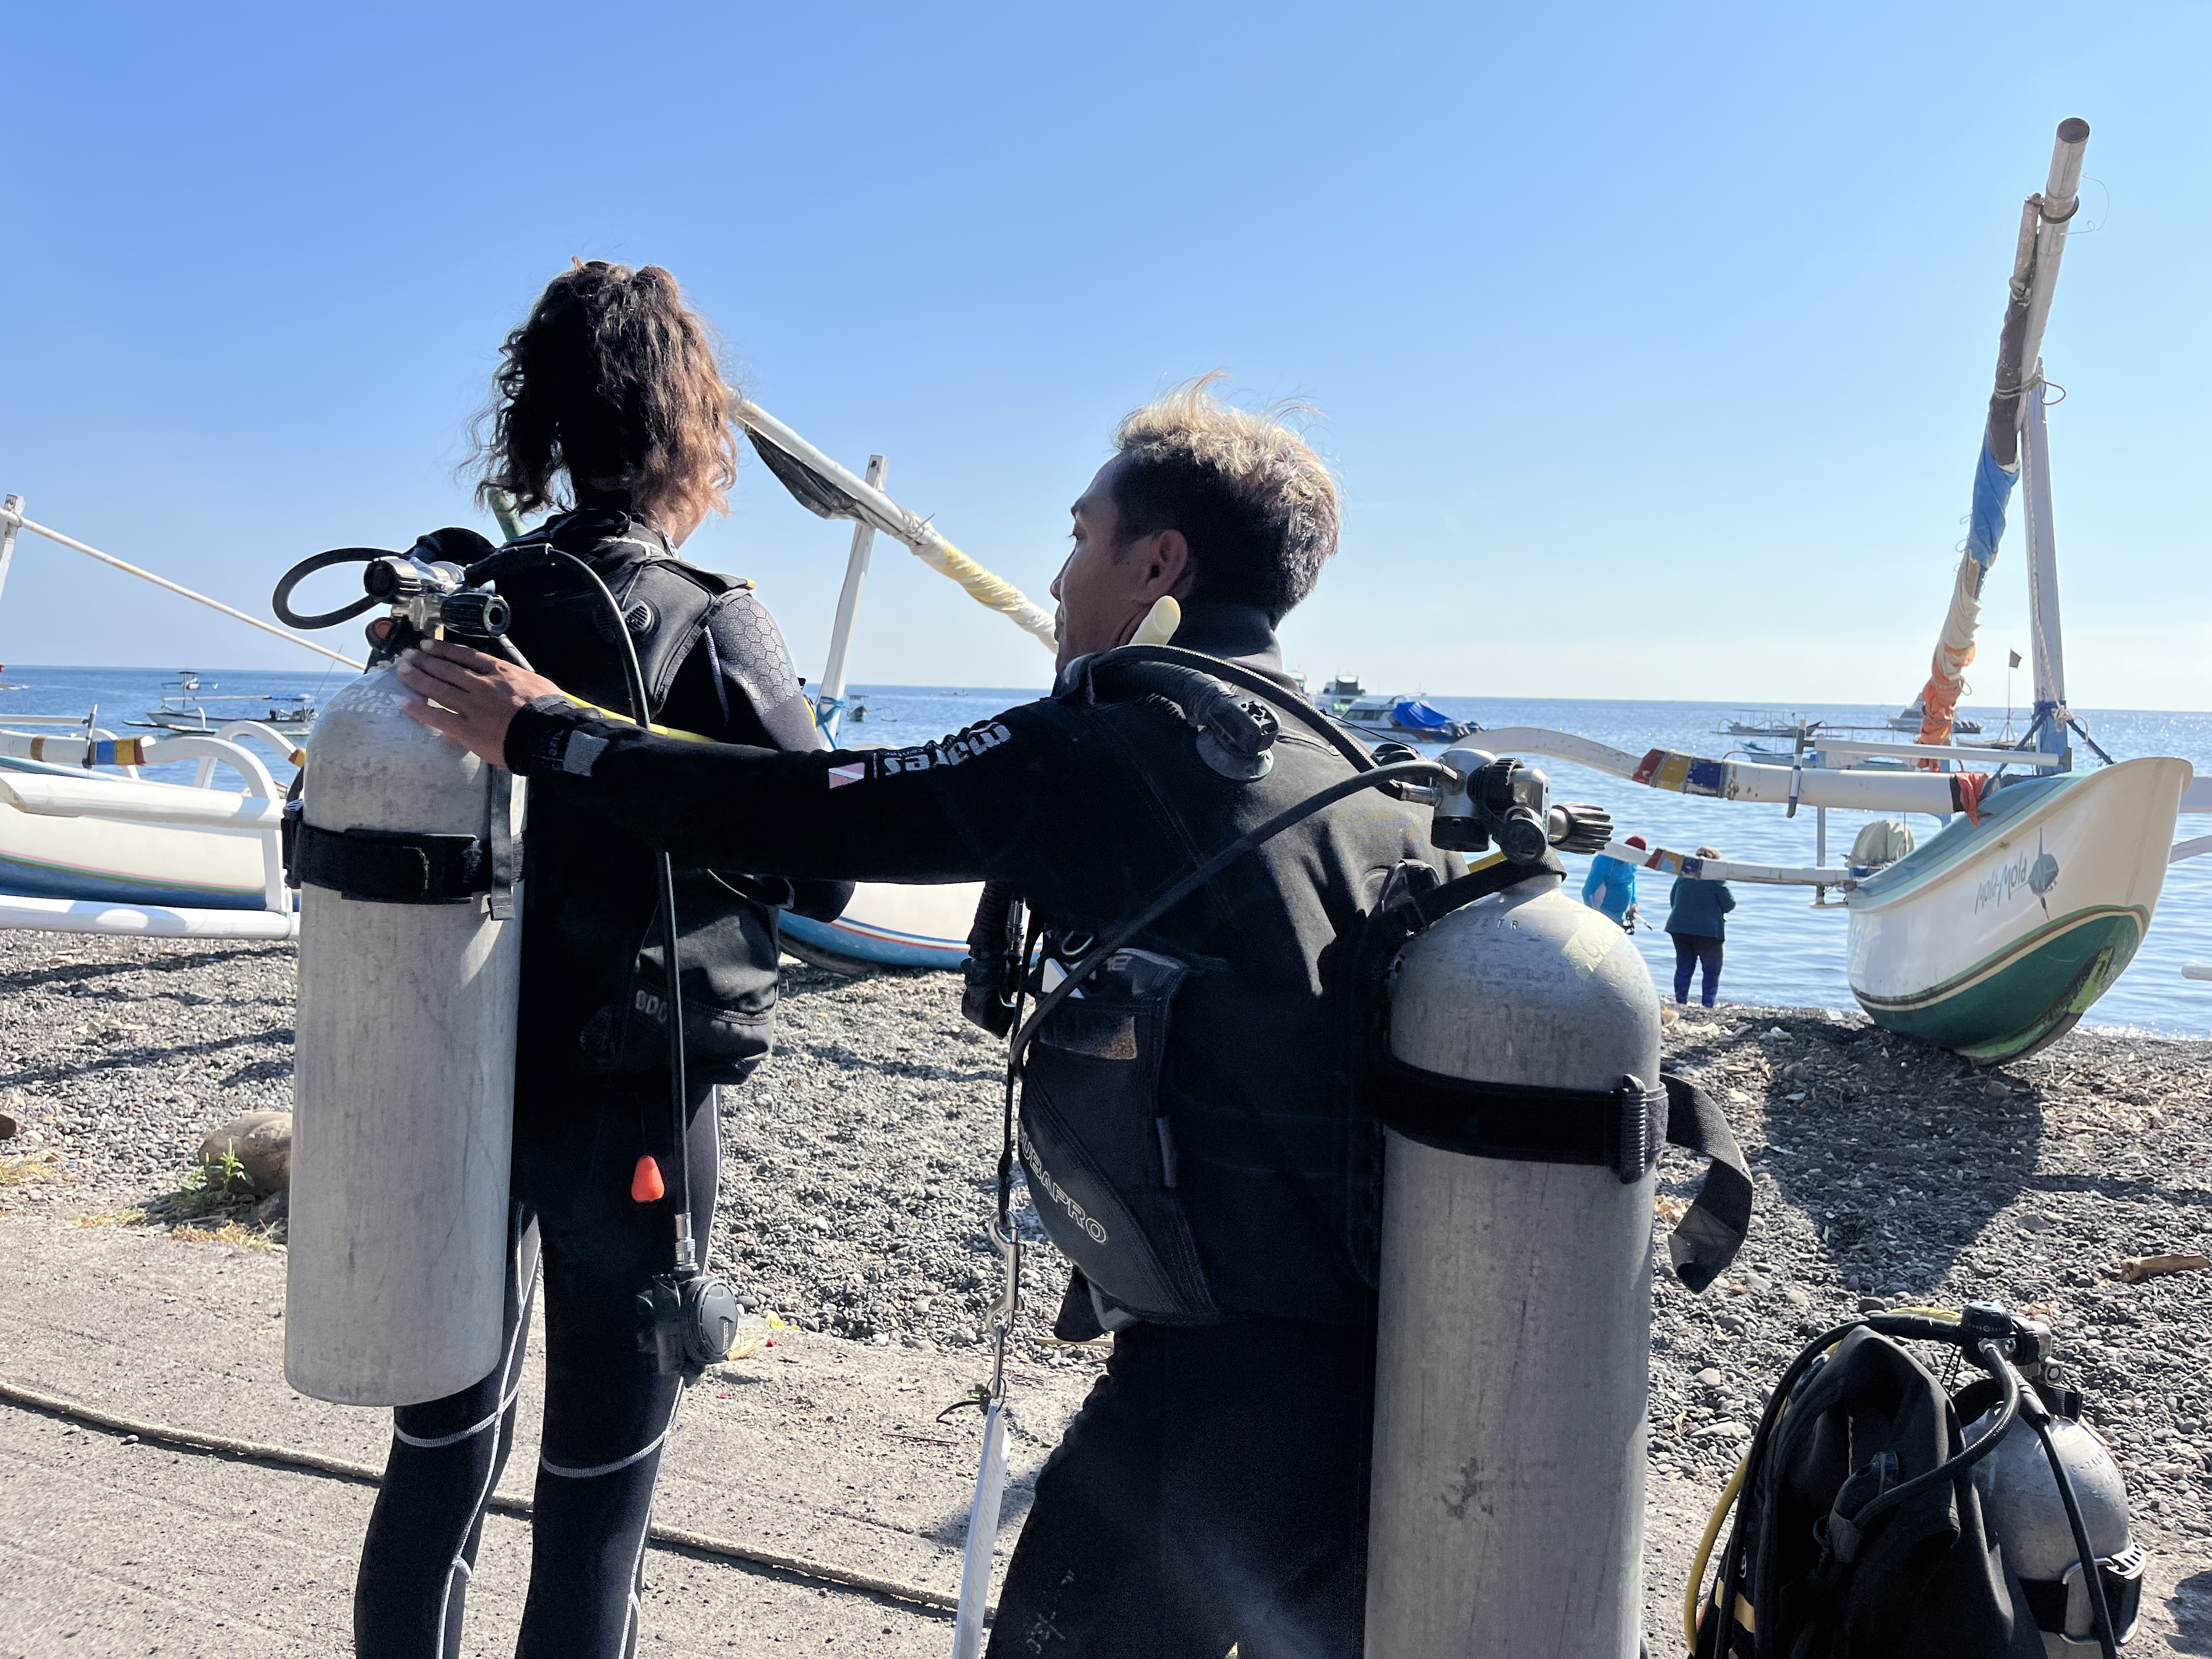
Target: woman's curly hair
[[615, 382]]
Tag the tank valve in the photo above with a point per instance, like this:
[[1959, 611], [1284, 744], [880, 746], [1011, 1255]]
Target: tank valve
[[1508, 801]]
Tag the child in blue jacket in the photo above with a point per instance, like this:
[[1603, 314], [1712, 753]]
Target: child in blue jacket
[[1610, 887]]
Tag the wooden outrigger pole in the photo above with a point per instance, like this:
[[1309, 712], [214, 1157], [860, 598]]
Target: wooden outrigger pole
[[2016, 412], [824, 488]]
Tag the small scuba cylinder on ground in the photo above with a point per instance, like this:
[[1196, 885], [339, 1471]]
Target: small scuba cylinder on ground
[[1506, 1511], [410, 973], [2028, 1516]]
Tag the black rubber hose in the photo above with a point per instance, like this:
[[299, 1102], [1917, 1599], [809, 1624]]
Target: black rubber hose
[[2100, 1610], [1952, 1469], [1408, 771], [641, 714], [281, 600]]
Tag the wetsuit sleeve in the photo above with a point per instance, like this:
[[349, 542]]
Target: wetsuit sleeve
[[761, 696], [969, 807], [752, 663]]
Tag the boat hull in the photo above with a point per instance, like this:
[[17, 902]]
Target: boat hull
[[1992, 940], [890, 924], [114, 862]]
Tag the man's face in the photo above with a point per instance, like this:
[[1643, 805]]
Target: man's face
[[1105, 589]]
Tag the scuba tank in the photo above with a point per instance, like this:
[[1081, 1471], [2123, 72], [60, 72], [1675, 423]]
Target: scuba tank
[[405, 847], [1517, 1079], [2027, 1514], [1516, 1300]]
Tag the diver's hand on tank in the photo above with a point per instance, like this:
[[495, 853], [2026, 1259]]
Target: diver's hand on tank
[[475, 696]]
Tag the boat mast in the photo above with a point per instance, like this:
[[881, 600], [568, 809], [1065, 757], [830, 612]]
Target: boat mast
[[2049, 650], [11, 521], [829, 700], [2045, 219]]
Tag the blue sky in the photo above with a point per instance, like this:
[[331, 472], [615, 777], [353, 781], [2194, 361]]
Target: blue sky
[[1651, 343]]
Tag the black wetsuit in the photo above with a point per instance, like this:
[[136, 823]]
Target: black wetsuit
[[1213, 1488], [585, 1109]]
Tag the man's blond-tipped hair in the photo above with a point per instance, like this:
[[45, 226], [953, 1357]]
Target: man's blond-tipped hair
[[1255, 503]]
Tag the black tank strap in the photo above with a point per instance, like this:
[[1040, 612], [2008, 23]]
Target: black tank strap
[[393, 866], [1621, 1128], [1705, 1239]]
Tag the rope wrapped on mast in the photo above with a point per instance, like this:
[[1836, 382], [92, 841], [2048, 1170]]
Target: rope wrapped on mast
[[830, 491], [2044, 223]]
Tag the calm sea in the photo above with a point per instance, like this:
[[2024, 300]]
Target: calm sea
[[1780, 950]]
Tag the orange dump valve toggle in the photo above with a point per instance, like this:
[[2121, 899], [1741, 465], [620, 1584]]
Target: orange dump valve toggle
[[645, 1186]]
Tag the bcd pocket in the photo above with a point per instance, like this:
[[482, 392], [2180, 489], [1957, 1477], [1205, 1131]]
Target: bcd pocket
[[1099, 1156], [727, 949]]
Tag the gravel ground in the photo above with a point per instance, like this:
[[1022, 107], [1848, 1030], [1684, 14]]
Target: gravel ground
[[857, 1167], [1891, 1173], [117, 1056]]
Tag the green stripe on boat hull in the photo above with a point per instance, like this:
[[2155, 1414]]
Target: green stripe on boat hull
[[2033, 998]]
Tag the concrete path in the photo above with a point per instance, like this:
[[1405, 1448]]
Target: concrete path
[[817, 1448]]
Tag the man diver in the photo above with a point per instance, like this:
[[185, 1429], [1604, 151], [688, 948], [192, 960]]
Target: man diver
[[1214, 1489]]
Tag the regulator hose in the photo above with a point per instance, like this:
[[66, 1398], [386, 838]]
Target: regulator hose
[[2093, 1577], [518, 558], [281, 601]]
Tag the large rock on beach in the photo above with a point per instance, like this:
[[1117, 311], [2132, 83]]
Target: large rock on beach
[[261, 1141]]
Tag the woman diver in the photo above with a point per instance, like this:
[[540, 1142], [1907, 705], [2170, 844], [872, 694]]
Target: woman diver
[[610, 408]]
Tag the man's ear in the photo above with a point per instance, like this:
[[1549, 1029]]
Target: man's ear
[[1168, 570]]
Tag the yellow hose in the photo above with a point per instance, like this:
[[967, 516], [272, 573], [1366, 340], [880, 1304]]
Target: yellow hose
[[1713, 1524]]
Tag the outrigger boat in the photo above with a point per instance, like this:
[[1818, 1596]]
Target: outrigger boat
[[88, 845], [1998, 934], [1992, 939], [186, 709]]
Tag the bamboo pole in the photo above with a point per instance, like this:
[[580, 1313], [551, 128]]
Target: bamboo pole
[[12, 519], [829, 489]]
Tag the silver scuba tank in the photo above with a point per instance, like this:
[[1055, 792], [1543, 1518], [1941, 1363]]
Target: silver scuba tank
[[1506, 1512], [2026, 1517], [410, 969]]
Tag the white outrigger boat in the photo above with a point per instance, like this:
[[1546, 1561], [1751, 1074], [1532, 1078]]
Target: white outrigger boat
[[1996, 935], [88, 845], [1992, 939], [84, 849], [186, 708]]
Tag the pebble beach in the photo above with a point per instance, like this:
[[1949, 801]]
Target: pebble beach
[[858, 1166]]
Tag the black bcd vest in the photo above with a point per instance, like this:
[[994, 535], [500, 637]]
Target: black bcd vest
[[593, 933]]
